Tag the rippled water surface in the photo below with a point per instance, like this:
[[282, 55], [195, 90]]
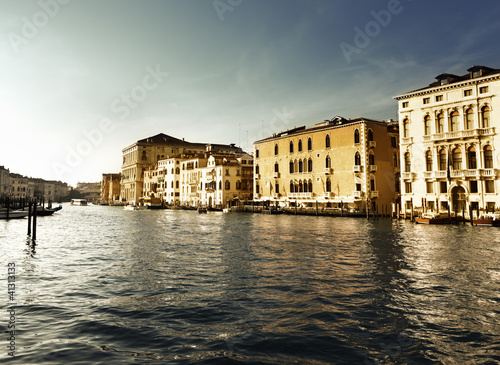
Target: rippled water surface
[[104, 285]]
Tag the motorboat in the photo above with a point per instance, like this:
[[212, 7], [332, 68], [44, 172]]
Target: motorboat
[[80, 202], [434, 218], [487, 219]]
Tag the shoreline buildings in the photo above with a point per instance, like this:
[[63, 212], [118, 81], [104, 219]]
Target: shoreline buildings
[[338, 162], [449, 148]]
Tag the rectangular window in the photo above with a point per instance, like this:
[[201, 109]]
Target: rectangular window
[[372, 185], [490, 206], [489, 186], [257, 189], [439, 97], [394, 142], [429, 187], [408, 187], [473, 186], [468, 92], [358, 187], [427, 100], [277, 188], [443, 187], [483, 89], [257, 153], [405, 104]]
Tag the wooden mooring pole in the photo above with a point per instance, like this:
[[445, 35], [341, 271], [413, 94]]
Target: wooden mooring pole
[[33, 237]]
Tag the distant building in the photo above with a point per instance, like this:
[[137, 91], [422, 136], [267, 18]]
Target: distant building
[[90, 191], [19, 186], [144, 154], [337, 162], [5, 182], [110, 188], [449, 146]]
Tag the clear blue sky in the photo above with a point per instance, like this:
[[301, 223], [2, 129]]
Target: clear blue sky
[[82, 79]]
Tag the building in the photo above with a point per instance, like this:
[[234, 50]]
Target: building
[[449, 144], [339, 162], [144, 154], [90, 190], [5, 182], [19, 186], [110, 188]]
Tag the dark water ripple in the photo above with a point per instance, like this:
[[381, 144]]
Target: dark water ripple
[[106, 286]]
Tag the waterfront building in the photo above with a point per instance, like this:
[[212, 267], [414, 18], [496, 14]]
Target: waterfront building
[[90, 190], [5, 182], [110, 188], [145, 153], [449, 145], [191, 178], [339, 162], [19, 186]]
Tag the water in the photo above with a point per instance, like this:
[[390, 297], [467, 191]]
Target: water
[[109, 286]]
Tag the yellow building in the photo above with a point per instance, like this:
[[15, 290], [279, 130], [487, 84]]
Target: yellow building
[[110, 188], [337, 162], [449, 148]]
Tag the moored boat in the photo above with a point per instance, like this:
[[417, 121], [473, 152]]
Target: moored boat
[[435, 218], [80, 202], [202, 209], [13, 214], [488, 219]]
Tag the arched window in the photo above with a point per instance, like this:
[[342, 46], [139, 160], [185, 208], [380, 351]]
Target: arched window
[[407, 162], [172, 170], [469, 123], [300, 166], [310, 165], [406, 128], [220, 185], [328, 162], [291, 146], [395, 159], [292, 187], [471, 158], [238, 185], [310, 186], [485, 116], [371, 159], [276, 167], [427, 125], [300, 146], [443, 165], [291, 167], [177, 184], [454, 124], [356, 136], [177, 170], [275, 149], [172, 185], [327, 141], [372, 183], [457, 159], [488, 157], [309, 144], [304, 164], [328, 185], [370, 135], [227, 185], [357, 158], [257, 169], [428, 161], [440, 123], [301, 186]]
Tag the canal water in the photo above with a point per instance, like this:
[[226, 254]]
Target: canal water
[[104, 285]]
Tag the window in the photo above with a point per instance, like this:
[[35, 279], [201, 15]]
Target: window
[[394, 142], [454, 122], [370, 135], [489, 186], [300, 145], [408, 187], [488, 157], [227, 185], [304, 164], [429, 187], [371, 159], [483, 89], [407, 162], [292, 187], [485, 116], [227, 172], [256, 189], [439, 98], [327, 141], [257, 153], [456, 157], [328, 162], [443, 185], [471, 159], [238, 185], [405, 104], [300, 166], [276, 167], [358, 187], [356, 136], [406, 128], [473, 186], [328, 185], [291, 146], [257, 169], [440, 123], [372, 184], [291, 167], [468, 92], [469, 119], [490, 206], [310, 165], [395, 160], [275, 149], [309, 144], [428, 161], [427, 125], [427, 100], [310, 186], [442, 160], [277, 188], [220, 186], [357, 158]]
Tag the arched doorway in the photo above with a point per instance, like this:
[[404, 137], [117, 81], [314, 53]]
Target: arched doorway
[[458, 199]]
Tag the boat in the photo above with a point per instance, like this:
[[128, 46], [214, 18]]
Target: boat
[[487, 219], [226, 210], [202, 209], [134, 207], [80, 202], [13, 214], [434, 218]]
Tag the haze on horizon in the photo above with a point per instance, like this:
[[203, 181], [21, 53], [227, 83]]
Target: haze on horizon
[[94, 77]]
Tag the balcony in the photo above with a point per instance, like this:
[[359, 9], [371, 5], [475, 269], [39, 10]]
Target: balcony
[[357, 194], [276, 175], [372, 168], [489, 172], [329, 195], [299, 195], [357, 168], [471, 133], [408, 175], [374, 194], [372, 144], [327, 170], [406, 140]]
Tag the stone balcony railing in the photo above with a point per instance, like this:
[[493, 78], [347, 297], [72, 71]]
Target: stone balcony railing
[[300, 195], [470, 133], [458, 174]]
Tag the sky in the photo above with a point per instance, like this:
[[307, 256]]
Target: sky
[[83, 79]]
